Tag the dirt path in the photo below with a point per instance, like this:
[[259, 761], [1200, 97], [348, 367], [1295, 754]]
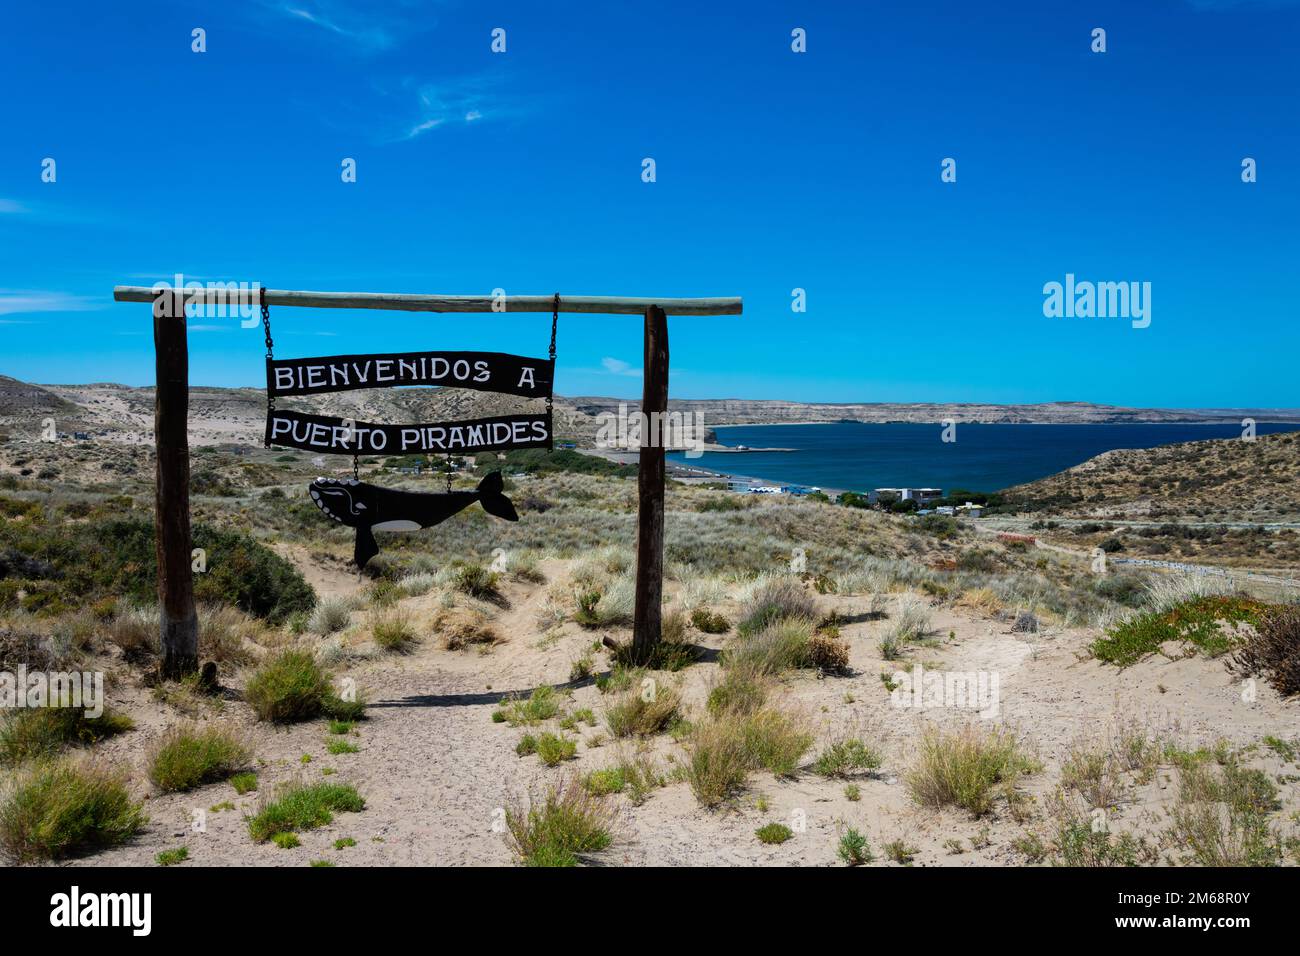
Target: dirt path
[[436, 771]]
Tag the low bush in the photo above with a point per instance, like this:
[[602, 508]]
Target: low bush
[[62, 809], [555, 749], [542, 704], [566, 820], [188, 755], [854, 848], [1272, 650], [642, 712], [290, 686], [964, 768], [709, 622], [723, 750], [775, 599], [773, 833], [846, 757], [44, 731], [298, 806], [1198, 625], [393, 631]]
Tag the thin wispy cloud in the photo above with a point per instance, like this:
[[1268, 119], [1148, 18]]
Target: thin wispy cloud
[[462, 100], [618, 367], [9, 207], [24, 302], [365, 27]]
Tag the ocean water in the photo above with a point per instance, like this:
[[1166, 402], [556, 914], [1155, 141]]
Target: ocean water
[[859, 457]]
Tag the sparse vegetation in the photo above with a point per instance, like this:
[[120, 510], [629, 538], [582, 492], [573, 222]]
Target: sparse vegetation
[[565, 821], [290, 686], [172, 857], [1196, 625], [967, 768], [64, 808], [44, 731], [773, 833], [188, 755], [846, 757], [854, 848], [1272, 650], [299, 806]]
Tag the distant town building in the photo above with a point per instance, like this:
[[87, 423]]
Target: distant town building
[[922, 496]]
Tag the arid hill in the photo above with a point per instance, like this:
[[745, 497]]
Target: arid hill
[[1226, 479]]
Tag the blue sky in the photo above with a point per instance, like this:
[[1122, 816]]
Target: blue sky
[[775, 170]]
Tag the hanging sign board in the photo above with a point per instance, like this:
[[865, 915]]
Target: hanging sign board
[[484, 371], [326, 434]]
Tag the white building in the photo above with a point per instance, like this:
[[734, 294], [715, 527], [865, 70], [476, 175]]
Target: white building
[[922, 496]]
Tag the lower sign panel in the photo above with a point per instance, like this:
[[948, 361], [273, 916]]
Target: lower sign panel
[[341, 436]]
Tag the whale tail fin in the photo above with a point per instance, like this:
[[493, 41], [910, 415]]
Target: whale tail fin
[[491, 496], [365, 547]]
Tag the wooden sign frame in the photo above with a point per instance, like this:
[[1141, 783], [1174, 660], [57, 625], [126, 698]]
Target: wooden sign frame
[[178, 621]]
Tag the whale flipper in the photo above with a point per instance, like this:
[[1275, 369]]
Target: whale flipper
[[491, 496], [365, 547]]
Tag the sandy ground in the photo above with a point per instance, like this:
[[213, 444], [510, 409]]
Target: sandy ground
[[436, 772]]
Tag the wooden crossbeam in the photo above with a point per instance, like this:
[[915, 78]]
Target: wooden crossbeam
[[591, 304]]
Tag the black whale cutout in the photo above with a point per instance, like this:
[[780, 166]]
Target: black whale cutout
[[370, 508]]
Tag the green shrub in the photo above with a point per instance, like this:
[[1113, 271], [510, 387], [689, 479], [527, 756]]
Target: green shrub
[[845, 757], [854, 848], [1079, 843], [773, 833], [188, 755], [606, 781], [638, 713], [542, 704], [290, 686], [564, 822], [244, 783], [527, 746], [739, 691], [554, 749], [782, 645], [344, 842], [963, 768], [393, 632], [473, 579], [285, 841], [172, 857], [709, 622], [299, 806], [1198, 625], [117, 557], [340, 745], [44, 731], [776, 599], [723, 750], [61, 809]]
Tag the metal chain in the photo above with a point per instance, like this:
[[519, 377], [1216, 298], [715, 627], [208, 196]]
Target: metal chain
[[356, 468], [270, 352], [448, 472]]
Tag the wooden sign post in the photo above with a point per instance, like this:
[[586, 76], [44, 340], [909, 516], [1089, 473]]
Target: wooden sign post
[[650, 478], [172, 518], [178, 625]]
